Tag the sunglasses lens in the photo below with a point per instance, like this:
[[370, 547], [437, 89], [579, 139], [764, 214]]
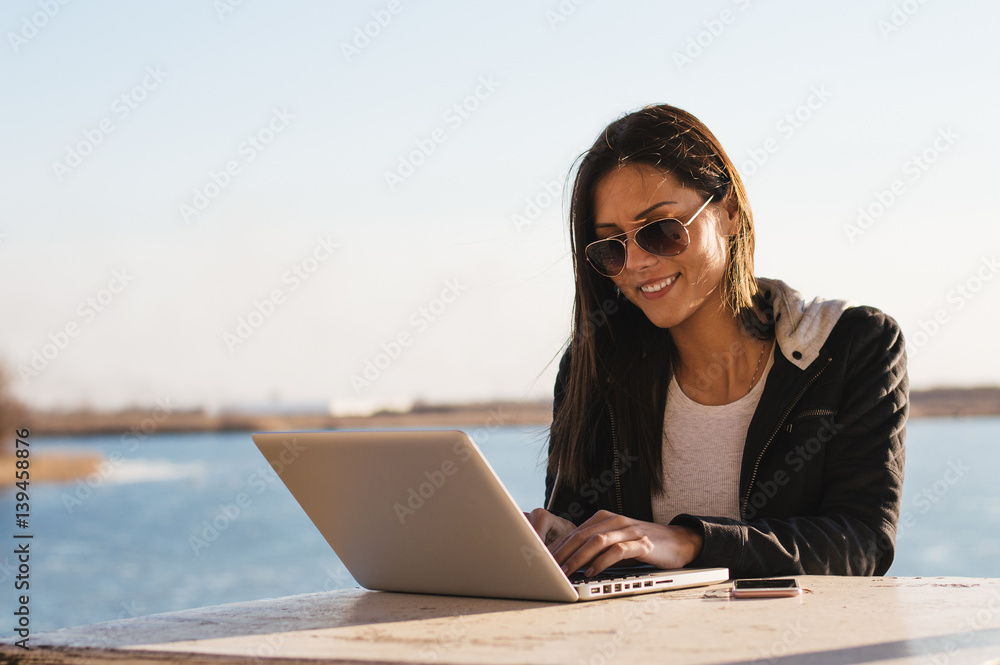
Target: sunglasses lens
[[667, 237], [607, 256]]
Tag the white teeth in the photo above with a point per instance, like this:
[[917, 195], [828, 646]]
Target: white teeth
[[653, 288]]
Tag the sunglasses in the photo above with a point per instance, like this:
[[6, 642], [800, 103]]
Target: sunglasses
[[664, 237]]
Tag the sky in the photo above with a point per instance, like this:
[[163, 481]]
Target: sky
[[253, 204]]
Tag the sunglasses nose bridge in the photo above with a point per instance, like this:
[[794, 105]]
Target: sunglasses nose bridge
[[639, 255]]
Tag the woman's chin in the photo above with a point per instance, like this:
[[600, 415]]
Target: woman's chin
[[661, 317]]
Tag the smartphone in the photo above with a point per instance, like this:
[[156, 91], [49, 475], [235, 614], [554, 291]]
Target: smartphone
[[766, 588]]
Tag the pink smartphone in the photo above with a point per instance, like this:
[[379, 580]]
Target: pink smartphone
[[766, 588]]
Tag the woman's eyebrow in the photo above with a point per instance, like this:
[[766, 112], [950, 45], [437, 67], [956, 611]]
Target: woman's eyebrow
[[651, 208], [640, 216]]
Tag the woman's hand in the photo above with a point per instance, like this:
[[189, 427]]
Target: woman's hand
[[550, 528], [608, 538]]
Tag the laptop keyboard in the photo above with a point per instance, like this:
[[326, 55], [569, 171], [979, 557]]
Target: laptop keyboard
[[617, 575]]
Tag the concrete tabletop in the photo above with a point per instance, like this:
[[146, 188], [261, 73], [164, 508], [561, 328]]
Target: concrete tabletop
[[934, 621]]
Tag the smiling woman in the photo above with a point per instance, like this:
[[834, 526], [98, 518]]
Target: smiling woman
[[712, 418]]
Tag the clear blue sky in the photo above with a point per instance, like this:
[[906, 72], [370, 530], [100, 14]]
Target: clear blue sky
[[116, 115]]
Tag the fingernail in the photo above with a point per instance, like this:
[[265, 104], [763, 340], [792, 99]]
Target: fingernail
[[589, 572]]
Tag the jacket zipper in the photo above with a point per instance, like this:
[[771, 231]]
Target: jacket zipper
[[753, 476], [811, 412], [614, 463]]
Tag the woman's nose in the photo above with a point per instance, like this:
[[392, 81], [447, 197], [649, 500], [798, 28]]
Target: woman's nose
[[636, 258]]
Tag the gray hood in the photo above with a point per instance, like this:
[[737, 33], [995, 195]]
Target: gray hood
[[800, 327]]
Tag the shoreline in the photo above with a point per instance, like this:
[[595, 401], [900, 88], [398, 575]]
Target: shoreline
[[137, 424], [937, 403]]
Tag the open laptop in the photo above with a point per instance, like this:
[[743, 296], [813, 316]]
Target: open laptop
[[424, 512]]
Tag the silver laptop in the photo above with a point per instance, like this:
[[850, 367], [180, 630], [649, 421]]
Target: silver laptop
[[423, 512]]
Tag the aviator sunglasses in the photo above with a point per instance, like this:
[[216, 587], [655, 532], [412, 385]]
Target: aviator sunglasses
[[664, 237]]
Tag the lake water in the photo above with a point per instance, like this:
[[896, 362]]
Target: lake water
[[141, 540]]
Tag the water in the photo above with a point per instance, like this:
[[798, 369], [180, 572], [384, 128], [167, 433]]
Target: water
[[159, 533]]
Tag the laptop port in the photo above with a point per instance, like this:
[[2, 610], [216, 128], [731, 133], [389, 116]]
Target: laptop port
[[648, 584], [595, 589], [607, 588], [618, 587]]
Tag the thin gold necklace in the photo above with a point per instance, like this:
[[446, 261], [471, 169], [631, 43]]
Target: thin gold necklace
[[756, 369]]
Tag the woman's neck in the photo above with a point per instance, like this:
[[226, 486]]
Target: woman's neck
[[719, 361]]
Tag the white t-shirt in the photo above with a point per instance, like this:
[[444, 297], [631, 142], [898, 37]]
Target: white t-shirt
[[703, 453]]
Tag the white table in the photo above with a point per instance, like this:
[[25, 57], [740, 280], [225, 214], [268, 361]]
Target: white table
[[934, 621]]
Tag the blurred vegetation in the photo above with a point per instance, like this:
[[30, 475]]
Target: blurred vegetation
[[12, 412]]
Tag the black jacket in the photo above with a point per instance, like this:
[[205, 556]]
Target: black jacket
[[822, 470]]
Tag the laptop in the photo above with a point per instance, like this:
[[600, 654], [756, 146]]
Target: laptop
[[424, 512]]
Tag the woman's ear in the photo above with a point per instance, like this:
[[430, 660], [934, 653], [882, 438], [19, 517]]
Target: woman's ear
[[731, 216]]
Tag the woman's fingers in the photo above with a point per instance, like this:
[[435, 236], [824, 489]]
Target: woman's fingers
[[605, 549], [608, 538], [598, 519], [611, 539], [631, 549], [550, 528], [602, 544]]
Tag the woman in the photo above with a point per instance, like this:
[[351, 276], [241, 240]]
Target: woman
[[704, 417]]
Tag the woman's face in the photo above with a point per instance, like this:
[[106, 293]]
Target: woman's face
[[669, 290]]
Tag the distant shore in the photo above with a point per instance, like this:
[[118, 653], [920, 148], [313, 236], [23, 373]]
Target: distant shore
[[137, 424], [945, 402]]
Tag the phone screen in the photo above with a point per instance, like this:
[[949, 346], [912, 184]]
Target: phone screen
[[766, 584], [766, 588]]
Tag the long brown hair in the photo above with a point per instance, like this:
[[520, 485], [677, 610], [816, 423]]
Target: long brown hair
[[618, 357]]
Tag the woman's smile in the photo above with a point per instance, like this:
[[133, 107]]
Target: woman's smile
[[657, 289]]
